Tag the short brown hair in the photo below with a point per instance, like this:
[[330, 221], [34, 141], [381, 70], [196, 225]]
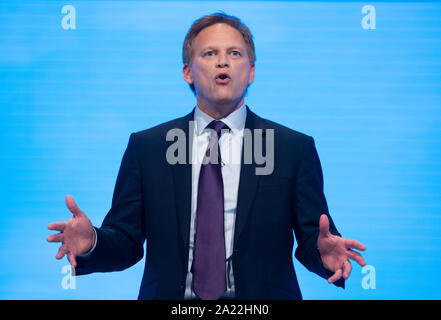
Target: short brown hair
[[209, 20]]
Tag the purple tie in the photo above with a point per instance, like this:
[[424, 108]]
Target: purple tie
[[209, 278]]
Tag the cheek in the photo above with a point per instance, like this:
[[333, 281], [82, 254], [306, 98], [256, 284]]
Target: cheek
[[201, 78], [200, 73], [245, 78]]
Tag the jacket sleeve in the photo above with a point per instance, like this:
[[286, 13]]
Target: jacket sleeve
[[120, 239], [309, 205]]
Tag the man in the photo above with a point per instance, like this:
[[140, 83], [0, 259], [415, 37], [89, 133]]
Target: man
[[214, 229]]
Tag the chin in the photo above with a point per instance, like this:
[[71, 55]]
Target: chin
[[224, 100], [222, 96]]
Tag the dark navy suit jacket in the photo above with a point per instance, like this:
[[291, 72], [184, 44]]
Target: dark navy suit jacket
[[152, 201]]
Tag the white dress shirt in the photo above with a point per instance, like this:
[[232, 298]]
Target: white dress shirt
[[230, 144]]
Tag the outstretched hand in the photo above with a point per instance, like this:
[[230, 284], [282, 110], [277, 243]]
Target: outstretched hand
[[336, 251], [76, 234]]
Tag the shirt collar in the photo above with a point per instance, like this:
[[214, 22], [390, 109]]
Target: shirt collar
[[235, 120]]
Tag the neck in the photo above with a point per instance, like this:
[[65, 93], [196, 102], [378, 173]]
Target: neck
[[219, 110]]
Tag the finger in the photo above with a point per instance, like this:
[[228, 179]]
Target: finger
[[349, 243], [337, 275], [59, 226], [61, 252], [324, 225], [356, 257], [347, 268], [59, 237], [72, 260], [72, 206]]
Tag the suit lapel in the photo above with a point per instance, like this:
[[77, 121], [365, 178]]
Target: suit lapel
[[248, 180], [182, 184]]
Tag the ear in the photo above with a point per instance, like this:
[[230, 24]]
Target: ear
[[251, 74], [187, 73]]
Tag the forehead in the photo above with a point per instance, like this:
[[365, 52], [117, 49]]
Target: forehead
[[217, 35]]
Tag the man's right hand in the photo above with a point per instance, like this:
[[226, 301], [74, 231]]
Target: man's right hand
[[76, 234]]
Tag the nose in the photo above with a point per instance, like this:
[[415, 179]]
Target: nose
[[222, 60]]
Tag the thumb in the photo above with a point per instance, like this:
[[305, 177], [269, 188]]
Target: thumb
[[324, 225], [72, 206]]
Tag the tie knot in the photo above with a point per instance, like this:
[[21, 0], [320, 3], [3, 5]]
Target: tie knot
[[217, 126]]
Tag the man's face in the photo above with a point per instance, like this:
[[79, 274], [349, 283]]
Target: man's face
[[220, 67]]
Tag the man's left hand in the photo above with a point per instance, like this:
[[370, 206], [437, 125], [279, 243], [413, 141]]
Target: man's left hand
[[336, 251]]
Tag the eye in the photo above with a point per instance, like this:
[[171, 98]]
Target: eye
[[209, 53], [235, 53]]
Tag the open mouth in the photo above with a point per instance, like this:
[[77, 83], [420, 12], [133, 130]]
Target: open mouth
[[223, 78]]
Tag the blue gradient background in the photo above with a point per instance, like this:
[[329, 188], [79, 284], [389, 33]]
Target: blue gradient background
[[371, 99]]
